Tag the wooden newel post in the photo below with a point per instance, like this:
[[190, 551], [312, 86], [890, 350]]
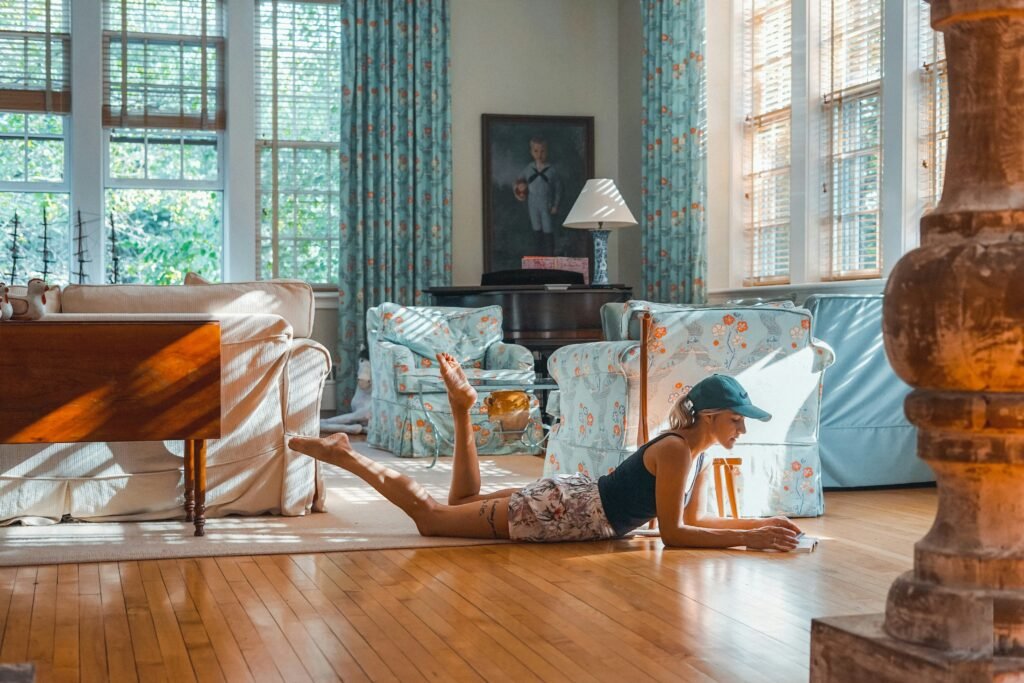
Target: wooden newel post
[[954, 330]]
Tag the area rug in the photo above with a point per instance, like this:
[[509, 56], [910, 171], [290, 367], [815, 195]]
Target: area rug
[[357, 518]]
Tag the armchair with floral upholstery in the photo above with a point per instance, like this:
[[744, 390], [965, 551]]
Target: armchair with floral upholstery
[[403, 341], [767, 347]]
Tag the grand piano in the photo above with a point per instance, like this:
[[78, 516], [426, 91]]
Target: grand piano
[[540, 317]]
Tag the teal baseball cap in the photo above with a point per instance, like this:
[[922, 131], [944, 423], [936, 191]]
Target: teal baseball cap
[[721, 392]]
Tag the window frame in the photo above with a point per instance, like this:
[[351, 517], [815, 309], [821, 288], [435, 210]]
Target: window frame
[[901, 195]]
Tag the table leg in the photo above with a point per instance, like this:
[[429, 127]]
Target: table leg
[[718, 465], [731, 485], [200, 457], [190, 479]]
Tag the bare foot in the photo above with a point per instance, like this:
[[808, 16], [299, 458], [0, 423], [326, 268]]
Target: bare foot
[[334, 449], [461, 394]]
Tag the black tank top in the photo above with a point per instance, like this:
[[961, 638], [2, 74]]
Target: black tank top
[[628, 491]]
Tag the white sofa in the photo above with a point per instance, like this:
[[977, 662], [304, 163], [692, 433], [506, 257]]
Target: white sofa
[[272, 378]]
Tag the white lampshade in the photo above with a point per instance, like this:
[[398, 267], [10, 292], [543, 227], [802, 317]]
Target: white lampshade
[[599, 206]]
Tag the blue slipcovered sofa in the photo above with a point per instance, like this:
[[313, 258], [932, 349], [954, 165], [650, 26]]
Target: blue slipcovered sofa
[[864, 437]]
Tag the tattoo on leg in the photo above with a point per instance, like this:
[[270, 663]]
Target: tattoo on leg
[[483, 508], [490, 518]]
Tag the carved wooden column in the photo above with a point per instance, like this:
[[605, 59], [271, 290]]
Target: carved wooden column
[[954, 330]]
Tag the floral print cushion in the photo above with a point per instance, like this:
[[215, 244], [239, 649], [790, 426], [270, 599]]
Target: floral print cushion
[[464, 333]]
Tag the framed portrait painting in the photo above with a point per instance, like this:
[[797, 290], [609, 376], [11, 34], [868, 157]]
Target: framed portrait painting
[[534, 168]]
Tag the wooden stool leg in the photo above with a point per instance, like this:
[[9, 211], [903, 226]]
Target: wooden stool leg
[[190, 480], [200, 451], [718, 487], [731, 484]]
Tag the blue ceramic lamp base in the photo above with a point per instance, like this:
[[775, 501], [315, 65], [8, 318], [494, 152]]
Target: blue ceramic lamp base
[[600, 257]]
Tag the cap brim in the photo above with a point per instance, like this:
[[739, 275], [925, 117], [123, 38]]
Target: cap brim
[[753, 412]]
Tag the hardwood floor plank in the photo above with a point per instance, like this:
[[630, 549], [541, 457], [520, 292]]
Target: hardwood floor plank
[[432, 656], [485, 655], [92, 638], [492, 617], [149, 660], [120, 654], [168, 632], [350, 623], [67, 645], [193, 632], [44, 622], [270, 634], [319, 633], [229, 655], [19, 616]]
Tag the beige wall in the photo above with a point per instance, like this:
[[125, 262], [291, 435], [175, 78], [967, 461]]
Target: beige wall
[[558, 57]]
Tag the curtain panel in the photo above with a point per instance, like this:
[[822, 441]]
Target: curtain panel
[[674, 234], [396, 163]]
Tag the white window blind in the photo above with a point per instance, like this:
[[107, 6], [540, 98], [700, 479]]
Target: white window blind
[[35, 53], [298, 128], [163, 64], [767, 94], [934, 125], [851, 64]]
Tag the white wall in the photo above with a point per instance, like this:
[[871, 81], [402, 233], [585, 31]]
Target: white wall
[[558, 57]]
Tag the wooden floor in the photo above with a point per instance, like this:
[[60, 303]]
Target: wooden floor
[[619, 611]]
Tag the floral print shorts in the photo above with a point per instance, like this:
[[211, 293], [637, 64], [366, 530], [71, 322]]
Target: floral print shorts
[[562, 508]]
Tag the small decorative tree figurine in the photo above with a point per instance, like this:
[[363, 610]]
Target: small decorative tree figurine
[[47, 256], [115, 276], [81, 254], [13, 275]]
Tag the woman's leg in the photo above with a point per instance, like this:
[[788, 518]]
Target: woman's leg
[[465, 486], [481, 519]]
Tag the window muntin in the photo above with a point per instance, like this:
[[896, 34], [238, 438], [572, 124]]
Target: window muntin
[[163, 64], [35, 51], [934, 124], [35, 95], [851, 61], [298, 128], [163, 109], [768, 65]]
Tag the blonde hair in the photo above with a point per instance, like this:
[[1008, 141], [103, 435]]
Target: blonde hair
[[683, 416]]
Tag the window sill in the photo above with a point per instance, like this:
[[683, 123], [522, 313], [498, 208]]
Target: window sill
[[798, 292]]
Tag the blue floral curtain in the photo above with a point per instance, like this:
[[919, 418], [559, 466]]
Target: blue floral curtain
[[396, 163], [674, 235]]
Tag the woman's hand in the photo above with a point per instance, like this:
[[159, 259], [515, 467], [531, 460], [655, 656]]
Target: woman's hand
[[771, 538], [783, 522]]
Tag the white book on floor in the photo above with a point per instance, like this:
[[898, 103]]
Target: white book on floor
[[804, 543]]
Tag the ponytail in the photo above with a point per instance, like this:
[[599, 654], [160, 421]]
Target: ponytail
[[683, 415]]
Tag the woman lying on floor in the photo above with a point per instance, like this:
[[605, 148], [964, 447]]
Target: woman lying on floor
[[663, 479]]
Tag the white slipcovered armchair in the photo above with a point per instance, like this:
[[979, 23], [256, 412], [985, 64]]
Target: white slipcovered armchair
[[272, 378]]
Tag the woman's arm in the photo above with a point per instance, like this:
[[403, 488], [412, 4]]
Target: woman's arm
[[672, 460], [677, 530], [696, 513]]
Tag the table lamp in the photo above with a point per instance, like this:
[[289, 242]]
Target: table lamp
[[599, 208]]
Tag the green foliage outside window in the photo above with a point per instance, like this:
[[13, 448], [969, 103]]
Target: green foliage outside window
[[162, 234]]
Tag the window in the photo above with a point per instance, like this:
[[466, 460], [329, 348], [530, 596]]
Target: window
[[851, 60], [163, 110], [35, 97], [831, 138], [298, 128], [934, 108], [768, 64]]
